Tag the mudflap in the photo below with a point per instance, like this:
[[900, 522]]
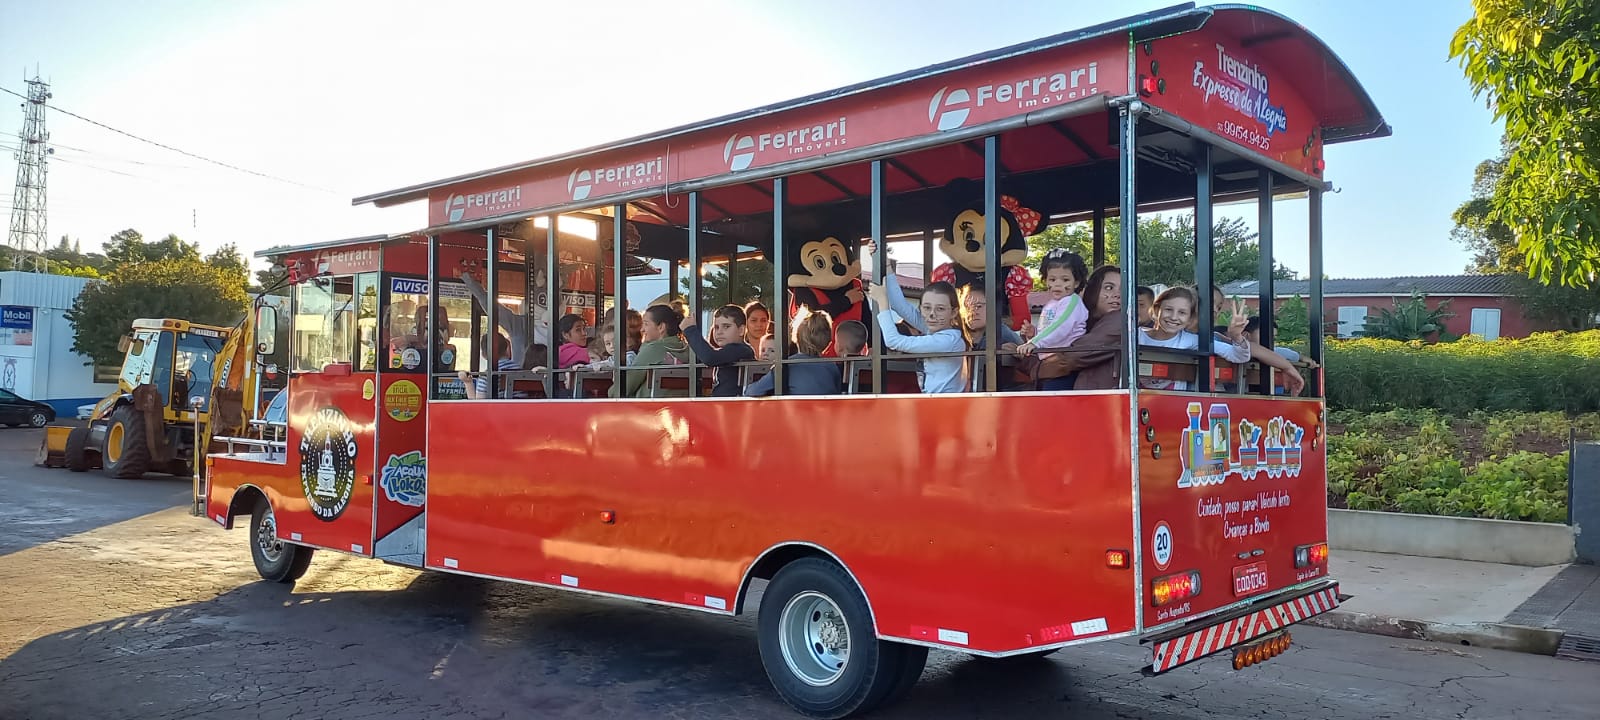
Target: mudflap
[[53, 448], [1183, 645]]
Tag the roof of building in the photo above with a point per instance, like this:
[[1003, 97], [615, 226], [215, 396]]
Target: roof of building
[[1425, 284], [40, 290]]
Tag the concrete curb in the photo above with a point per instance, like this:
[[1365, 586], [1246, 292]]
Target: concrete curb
[[1496, 636]]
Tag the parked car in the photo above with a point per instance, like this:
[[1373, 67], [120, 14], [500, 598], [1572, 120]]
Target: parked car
[[86, 411], [16, 410]]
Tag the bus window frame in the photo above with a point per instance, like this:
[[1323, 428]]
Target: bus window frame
[[1131, 123]]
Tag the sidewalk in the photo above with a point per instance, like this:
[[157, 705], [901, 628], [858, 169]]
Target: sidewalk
[[1507, 607]]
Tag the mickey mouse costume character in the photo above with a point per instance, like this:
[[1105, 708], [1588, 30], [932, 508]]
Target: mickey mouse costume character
[[964, 243], [826, 275]]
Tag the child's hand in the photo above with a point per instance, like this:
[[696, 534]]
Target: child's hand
[[879, 294], [1026, 348], [1027, 330], [854, 295], [1236, 322], [687, 324]]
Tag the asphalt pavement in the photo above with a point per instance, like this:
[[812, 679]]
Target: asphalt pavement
[[118, 604]]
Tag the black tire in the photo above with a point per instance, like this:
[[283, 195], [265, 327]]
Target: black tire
[[39, 419], [133, 458], [913, 658], [288, 563], [873, 668], [78, 449]]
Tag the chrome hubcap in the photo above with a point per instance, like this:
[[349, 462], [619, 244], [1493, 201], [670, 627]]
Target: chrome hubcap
[[814, 638], [267, 538]]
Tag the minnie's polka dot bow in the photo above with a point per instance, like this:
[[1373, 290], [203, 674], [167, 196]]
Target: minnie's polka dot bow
[[1027, 219]]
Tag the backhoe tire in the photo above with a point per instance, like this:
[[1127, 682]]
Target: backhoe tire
[[77, 450], [127, 452]]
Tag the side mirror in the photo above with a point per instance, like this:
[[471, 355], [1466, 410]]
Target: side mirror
[[266, 329], [123, 343]]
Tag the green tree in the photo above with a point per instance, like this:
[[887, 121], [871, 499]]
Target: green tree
[[269, 278], [1537, 64], [228, 259], [1294, 321], [1495, 250], [1166, 249], [172, 287], [752, 281], [128, 246]]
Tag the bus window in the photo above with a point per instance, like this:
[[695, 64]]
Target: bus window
[[405, 324], [323, 324], [367, 321]]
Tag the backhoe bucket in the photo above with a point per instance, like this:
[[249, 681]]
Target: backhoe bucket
[[53, 450]]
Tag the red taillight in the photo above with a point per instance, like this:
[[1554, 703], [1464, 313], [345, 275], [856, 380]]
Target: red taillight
[[608, 516], [1309, 555], [1173, 588], [1117, 559]]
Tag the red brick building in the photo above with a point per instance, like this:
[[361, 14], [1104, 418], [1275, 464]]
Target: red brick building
[[1483, 305]]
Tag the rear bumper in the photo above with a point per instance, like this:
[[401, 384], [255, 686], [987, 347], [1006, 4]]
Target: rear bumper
[[1181, 646]]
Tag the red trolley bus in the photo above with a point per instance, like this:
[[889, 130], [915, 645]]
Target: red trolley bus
[[938, 499]]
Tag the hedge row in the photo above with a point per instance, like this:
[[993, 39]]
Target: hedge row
[[1545, 372], [1507, 466]]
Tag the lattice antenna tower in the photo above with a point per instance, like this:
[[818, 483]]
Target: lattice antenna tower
[[29, 236]]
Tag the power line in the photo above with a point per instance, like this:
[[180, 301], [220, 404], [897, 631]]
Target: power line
[[165, 146]]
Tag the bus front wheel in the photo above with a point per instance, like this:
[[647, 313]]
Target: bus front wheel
[[276, 560], [819, 647]]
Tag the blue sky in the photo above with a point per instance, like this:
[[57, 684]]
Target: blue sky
[[362, 96]]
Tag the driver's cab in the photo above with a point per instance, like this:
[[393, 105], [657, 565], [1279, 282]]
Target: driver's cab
[[177, 357]]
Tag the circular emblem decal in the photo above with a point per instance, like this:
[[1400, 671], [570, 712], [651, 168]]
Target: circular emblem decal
[[328, 463], [1161, 545], [368, 389], [447, 357], [410, 358]]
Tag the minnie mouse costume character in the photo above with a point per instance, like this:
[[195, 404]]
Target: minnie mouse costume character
[[964, 243], [826, 275]]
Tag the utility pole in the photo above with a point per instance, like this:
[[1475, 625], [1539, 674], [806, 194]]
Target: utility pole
[[29, 237]]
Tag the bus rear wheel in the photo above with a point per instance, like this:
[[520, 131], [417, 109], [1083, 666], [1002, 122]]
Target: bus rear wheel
[[276, 560], [819, 648]]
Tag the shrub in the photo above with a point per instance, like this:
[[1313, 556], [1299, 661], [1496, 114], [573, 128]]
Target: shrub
[[1548, 371]]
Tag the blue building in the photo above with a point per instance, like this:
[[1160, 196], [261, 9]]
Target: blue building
[[36, 357]]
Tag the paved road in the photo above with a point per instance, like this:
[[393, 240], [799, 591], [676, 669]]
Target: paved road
[[117, 604]]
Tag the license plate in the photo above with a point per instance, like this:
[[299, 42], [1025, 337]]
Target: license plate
[[1249, 579]]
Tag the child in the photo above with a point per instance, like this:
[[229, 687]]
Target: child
[[757, 322], [768, 350], [574, 333], [607, 357], [974, 326], [727, 331], [1147, 300], [812, 333], [1174, 310], [1064, 318], [936, 319], [850, 341], [478, 389], [850, 338]]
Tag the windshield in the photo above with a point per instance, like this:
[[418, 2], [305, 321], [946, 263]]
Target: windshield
[[197, 355]]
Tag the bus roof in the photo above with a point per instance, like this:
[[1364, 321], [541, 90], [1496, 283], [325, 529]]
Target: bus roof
[[1342, 107]]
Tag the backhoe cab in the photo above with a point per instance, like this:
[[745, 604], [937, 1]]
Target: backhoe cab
[[164, 390]]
